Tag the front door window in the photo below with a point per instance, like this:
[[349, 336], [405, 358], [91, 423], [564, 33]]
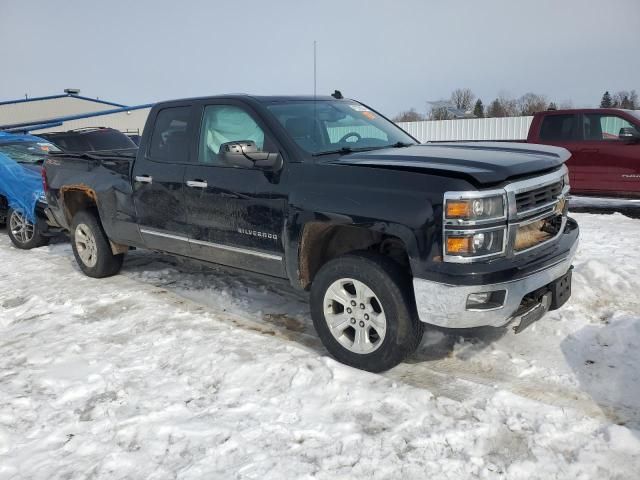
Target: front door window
[[222, 124]]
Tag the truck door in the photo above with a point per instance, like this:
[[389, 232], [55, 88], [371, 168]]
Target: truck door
[[615, 164], [562, 130], [234, 214], [158, 182]]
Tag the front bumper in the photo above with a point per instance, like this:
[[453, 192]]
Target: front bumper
[[446, 305]]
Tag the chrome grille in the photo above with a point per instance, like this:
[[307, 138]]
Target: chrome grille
[[538, 198]]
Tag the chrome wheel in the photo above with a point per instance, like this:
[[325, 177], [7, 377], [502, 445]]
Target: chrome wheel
[[21, 228], [86, 245], [354, 315]]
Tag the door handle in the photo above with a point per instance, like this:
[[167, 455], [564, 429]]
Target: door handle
[[144, 178], [197, 184], [589, 150]]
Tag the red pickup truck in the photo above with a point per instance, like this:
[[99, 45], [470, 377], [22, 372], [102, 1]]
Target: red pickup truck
[[604, 145]]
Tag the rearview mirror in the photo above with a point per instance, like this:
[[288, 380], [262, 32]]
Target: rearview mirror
[[245, 153], [629, 135]]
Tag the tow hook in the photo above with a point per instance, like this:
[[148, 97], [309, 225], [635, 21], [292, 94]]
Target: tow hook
[[533, 314]]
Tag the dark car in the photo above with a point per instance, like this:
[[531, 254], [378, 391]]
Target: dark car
[[386, 234], [90, 139]]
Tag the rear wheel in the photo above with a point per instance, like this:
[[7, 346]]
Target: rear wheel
[[364, 313], [23, 233], [91, 247]]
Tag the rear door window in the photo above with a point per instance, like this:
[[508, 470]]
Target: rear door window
[[170, 136], [558, 128]]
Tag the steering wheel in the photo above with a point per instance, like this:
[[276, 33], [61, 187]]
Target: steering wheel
[[349, 135]]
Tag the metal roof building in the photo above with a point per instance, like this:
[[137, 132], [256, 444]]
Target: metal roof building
[[69, 111], [127, 119], [43, 108]]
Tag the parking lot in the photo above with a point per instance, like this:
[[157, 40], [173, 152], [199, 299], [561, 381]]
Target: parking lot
[[161, 372]]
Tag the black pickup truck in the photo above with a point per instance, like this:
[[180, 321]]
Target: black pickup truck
[[386, 234]]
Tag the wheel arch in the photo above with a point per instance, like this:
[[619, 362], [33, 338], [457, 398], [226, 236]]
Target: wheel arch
[[77, 198], [321, 242]]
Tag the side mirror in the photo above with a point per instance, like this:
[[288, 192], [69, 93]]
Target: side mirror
[[244, 153], [629, 135]]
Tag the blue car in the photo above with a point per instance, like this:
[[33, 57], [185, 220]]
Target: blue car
[[22, 200]]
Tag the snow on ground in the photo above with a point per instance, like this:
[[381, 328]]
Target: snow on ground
[[175, 370]]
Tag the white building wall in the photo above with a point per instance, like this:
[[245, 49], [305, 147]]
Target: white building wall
[[37, 110], [510, 128], [131, 120]]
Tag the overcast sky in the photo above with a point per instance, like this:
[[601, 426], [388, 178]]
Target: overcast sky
[[392, 54]]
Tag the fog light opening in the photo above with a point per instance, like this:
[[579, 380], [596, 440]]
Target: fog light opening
[[486, 300]]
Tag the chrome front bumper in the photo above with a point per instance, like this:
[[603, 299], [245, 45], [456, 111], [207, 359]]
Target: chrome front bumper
[[446, 305]]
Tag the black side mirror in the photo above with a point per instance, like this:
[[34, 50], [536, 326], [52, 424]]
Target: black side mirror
[[244, 153], [629, 135]]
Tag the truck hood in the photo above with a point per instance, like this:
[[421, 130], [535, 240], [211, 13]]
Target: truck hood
[[484, 163]]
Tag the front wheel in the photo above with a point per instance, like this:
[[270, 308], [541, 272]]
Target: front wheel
[[91, 247], [22, 232], [364, 313]]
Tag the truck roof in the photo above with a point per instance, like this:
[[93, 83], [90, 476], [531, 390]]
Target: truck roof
[[259, 98], [585, 110]]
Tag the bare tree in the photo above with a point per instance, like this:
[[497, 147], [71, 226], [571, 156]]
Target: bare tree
[[463, 98], [625, 99], [633, 100], [531, 103], [439, 113], [509, 105], [408, 116], [566, 105]]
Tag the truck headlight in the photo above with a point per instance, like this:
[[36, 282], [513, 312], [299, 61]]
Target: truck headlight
[[475, 244], [474, 209]]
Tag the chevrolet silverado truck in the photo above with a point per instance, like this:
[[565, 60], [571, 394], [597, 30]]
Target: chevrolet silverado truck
[[604, 145], [385, 233]]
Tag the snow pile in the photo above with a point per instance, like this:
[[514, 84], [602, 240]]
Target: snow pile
[[175, 371]]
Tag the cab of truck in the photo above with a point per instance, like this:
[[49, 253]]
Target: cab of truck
[[604, 145]]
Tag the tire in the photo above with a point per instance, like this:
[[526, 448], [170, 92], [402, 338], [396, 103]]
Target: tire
[[22, 233], [91, 247], [378, 286]]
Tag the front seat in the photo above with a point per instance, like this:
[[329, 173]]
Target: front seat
[[303, 131]]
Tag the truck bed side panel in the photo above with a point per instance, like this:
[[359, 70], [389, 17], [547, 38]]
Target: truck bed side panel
[[106, 181]]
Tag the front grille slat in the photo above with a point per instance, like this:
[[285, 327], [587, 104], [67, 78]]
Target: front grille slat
[[532, 199]]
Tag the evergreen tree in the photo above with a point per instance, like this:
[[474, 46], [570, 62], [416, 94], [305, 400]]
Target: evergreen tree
[[478, 110], [606, 100], [496, 109]]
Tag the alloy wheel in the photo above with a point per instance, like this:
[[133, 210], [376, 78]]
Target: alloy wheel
[[354, 315], [21, 228], [86, 245]]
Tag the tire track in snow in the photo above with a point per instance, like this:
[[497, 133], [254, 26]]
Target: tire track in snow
[[281, 312]]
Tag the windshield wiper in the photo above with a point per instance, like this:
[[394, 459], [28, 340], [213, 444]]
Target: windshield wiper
[[345, 150], [400, 145], [342, 151]]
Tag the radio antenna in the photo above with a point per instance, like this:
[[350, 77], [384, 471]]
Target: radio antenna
[[315, 69]]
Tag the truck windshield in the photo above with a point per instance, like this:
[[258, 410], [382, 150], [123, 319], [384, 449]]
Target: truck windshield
[[326, 126], [27, 152]]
